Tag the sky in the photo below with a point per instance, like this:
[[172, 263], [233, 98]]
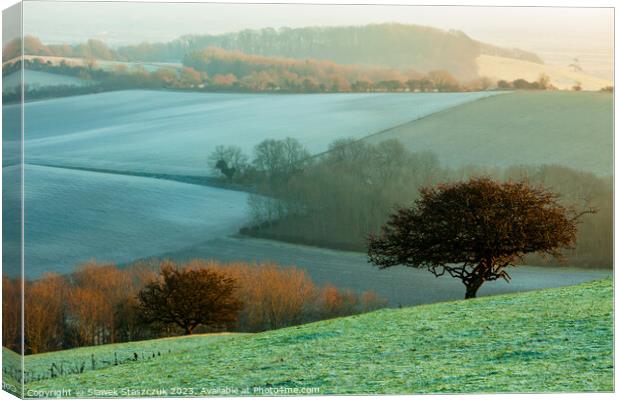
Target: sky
[[557, 34]]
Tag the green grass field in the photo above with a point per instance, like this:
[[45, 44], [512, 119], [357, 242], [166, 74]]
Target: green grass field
[[541, 341], [574, 129]]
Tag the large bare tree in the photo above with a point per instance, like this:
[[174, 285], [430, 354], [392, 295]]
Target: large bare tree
[[473, 230]]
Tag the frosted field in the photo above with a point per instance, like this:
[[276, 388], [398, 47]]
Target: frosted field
[[36, 79], [75, 216], [11, 138], [173, 132]]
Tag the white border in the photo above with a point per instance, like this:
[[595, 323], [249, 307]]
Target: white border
[[488, 3]]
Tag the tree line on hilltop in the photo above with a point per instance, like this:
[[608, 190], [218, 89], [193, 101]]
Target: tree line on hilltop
[[216, 70], [388, 45]]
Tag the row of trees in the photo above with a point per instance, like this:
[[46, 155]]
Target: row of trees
[[32, 45], [220, 70], [242, 63], [262, 73], [339, 198], [122, 77], [99, 304], [273, 161], [542, 83], [98, 79], [216, 69], [387, 45]]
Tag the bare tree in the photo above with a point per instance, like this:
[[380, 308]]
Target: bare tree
[[279, 159], [228, 160]]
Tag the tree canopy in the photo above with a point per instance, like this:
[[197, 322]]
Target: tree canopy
[[473, 230], [189, 298]]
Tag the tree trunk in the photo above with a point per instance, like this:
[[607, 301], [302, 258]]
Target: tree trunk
[[188, 330], [472, 288]]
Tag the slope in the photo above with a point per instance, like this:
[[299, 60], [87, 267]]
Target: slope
[[173, 132], [570, 129], [563, 78], [550, 340]]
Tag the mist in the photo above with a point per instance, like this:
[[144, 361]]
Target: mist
[[558, 35]]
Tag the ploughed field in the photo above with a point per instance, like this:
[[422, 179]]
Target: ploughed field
[[553, 340]]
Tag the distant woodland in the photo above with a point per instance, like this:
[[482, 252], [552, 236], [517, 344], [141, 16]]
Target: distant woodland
[[381, 45], [340, 197], [260, 73], [218, 70], [371, 58]]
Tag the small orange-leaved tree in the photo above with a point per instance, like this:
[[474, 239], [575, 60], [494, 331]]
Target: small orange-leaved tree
[[189, 298]]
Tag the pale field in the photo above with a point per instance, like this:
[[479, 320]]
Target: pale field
[[510, 69], [572, 129]]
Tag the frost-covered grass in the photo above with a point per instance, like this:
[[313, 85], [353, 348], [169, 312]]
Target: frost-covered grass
[[543, 341], [173, 132], [520, 128], [75, 216], [108, 356]]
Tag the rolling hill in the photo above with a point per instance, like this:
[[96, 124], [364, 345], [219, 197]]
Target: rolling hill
[[510, 69], [38, 79], [525, 127], [76, 216], [174, 132], [554, 340], [394, 45]]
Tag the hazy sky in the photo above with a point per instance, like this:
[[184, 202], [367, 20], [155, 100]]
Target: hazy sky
[[556, 34]]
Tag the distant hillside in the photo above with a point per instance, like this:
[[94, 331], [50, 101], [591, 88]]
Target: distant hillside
[[555, 340], [379, 45], [501, 67], [387, 45], [515, 54], [521, 128]]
